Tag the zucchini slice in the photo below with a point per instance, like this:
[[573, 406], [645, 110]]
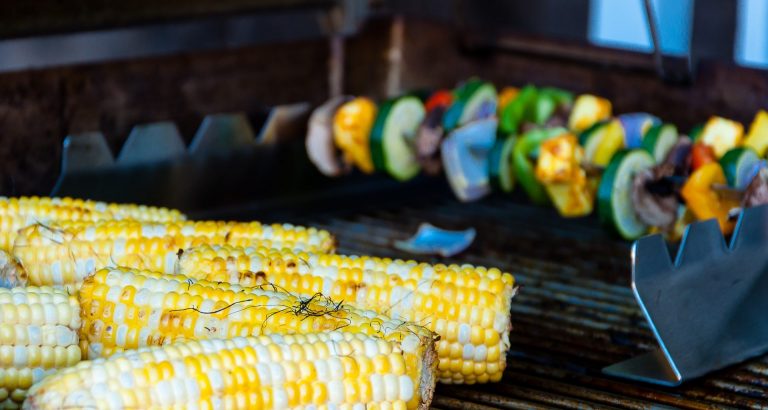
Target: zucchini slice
[[500, 164], [614, 195], [739, 165], [659, 140], [475, 100], [392, 148]]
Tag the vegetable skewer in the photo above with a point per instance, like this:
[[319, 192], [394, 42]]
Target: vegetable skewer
[[530, 116]]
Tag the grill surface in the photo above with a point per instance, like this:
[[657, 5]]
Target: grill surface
[[574, 315]]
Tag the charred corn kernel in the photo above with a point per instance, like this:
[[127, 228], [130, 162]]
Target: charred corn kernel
[[38, 334], [64, 253], [114, 382], [469, 307], [226, 311]]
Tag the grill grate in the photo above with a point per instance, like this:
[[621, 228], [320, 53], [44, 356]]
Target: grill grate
[[574, 315]]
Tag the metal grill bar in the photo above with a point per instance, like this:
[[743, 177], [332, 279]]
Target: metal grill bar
[[574, 315]]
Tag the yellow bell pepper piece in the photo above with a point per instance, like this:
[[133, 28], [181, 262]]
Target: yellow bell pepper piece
[[352, 125], [703, 201], [722, 134], [757, 139]]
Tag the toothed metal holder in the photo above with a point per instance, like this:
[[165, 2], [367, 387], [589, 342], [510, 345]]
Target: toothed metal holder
[[219, 167], [708, 309]]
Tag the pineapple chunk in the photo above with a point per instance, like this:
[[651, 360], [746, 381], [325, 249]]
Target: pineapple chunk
[[757, 139], [722, 134]]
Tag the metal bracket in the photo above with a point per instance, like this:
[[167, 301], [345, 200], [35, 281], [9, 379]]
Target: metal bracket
[[84, 151], [285, 122], [707, 310], [222, 133], [81, 153], [155, 166], [153, 142]]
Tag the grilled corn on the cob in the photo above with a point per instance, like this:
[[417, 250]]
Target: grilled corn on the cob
[[126, 309], [57, 207], [19, 212], [469, 307], [64, 253], [38, 335], [313, 371]]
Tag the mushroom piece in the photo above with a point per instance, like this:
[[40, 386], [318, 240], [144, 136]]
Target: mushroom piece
[[654, 196], [321, 149], [428, 139], [757, 190], [679, 157]]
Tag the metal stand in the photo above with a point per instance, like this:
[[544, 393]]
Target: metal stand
[[707, 310]]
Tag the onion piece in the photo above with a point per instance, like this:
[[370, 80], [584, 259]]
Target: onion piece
[[321, 149]]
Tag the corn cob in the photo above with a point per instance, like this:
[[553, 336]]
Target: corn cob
[[17, 213], [341, 370], [38, 334], [63, 254], [127, 308], [469, 307], [33, 205]]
